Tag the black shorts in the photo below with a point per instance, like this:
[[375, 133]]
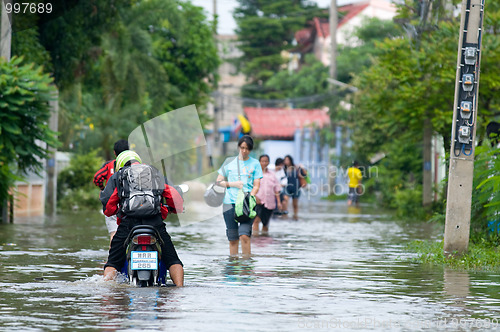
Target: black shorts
[[117, 251], [263, 213]]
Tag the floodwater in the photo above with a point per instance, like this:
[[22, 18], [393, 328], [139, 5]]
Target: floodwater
[[334, 269]]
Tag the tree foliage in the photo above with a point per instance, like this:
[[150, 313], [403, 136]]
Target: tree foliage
[[310, 80], [74, 189], [265, 28], [119, 63], [486, 201], [154, 56], [24, 114], [72, 35], [312, 77], [184, 45], [352, 59], [413, 79]]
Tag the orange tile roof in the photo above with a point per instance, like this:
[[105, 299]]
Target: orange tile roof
[[282, 123], [322, 26]]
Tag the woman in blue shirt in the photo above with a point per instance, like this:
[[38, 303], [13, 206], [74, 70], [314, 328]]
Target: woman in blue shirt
[[249, 179]]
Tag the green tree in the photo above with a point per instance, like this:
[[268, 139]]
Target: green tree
[[407, 84], [104, 112], [26, 42], [24, 113], [159, 56], [265, 28], [353, 59], [184, 45], [72, 35], [310, 80], [75, 188]]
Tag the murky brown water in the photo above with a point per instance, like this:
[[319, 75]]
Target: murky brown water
[[335, 269]]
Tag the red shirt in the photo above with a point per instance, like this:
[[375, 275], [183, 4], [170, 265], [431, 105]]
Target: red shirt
[[104, 173]]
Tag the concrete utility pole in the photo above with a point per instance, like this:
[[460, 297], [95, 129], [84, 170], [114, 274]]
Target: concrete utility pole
[[5, 41], [5, 31], [51, 163], [214, 4], [333, 39], [458, 206], [427, 156], [425, 9], [216, 99], [333, 22]]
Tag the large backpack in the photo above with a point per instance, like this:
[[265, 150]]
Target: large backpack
[[140, 188]]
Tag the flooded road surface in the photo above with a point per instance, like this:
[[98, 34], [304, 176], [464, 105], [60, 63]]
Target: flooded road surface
[[334, 269]]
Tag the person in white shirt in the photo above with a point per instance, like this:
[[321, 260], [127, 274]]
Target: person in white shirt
[[279, 171]]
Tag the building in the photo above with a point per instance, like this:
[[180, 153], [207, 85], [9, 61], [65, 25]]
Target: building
[[226, 102], [316, 38], [294, 132]]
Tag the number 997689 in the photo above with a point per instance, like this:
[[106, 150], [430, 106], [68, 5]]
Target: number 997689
[[28, 7]]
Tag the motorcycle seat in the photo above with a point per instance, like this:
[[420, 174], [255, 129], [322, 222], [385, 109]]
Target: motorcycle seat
[[144, 229]]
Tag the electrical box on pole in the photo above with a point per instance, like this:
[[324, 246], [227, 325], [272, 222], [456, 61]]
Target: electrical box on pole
[[458, 206]]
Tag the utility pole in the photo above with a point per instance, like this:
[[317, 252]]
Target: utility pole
[[51, 162], [427, 132], [216, 99], [5, 31], [214, 4], [427, 167], [458, 206], [5, 42], [333, 22], [333, 39]]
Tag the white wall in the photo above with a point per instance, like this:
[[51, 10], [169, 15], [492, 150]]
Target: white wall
[[277, 149]]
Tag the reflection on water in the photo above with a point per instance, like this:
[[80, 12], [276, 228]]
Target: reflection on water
[[457, 286], [239, 270], [353, 213], [337, 268]]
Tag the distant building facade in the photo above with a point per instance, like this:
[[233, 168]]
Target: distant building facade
[[294, 132], [316, 38]]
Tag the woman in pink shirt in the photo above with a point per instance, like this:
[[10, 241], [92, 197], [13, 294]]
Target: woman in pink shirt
[[268, 196]]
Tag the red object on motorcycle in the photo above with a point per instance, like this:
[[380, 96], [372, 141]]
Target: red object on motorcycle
[[144, 239]]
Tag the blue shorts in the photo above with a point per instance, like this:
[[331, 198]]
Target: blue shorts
[[353, 195], [235, 229]]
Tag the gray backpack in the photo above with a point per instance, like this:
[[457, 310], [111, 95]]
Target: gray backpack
[[140, 188]]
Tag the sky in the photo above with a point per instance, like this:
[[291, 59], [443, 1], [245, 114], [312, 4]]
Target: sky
[[225, 11]]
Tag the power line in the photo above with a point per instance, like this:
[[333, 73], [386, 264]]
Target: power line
[[259, 101]]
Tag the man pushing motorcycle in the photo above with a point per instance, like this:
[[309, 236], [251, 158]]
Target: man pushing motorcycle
[[124, 196]]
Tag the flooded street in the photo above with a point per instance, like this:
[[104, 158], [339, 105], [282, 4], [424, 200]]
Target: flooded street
[[334, 269]]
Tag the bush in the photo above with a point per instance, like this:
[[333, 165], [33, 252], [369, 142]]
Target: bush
[[75, 187], [485, 198], [81, 199], [408, 203]]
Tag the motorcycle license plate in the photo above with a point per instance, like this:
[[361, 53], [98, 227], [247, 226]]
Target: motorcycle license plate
[[144, 260]]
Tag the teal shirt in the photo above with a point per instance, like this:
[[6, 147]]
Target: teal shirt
[[249, 170]]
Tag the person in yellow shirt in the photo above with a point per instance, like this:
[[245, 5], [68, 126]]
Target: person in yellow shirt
[[355, 178]]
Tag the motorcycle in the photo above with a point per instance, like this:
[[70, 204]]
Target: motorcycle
[[143, 266]]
